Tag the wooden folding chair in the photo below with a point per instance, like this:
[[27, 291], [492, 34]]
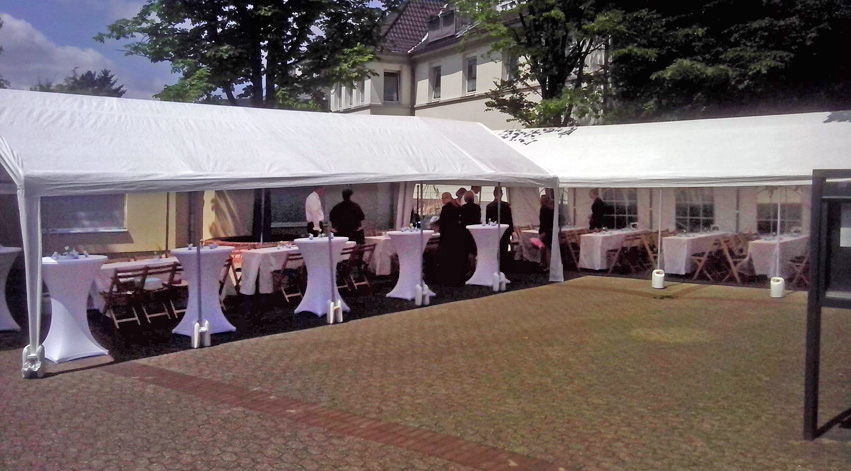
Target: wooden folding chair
[[624, 257], [289, 278], [569, 244], [801, 266], [359, 267], [707, 263], [161, 294], [124, 291], [178, 290], [650, 242], [739, 264]]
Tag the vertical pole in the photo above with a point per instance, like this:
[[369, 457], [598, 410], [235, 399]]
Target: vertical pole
[[198, 224], [262, 214], [818, 241], [498, 235], [167, 217], [422, 237], [30, 215], [331, 264], [659, 237]]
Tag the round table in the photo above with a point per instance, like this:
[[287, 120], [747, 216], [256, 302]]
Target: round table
[[316, 259], [212, 263], [409, 246], [487, 245], [7, 258], [68, 280]]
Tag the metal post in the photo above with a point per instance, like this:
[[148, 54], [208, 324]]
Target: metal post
[[659, 237], [813, 349], [498, 223]]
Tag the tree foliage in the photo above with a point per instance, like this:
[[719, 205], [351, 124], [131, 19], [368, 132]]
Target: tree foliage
[[101, 83], [273, 53], [722, 57]]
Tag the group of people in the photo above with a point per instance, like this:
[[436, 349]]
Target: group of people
[[457, 247], [346, 216]]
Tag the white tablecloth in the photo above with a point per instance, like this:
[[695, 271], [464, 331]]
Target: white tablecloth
[[677, 250], [409, 246], [593, 247], [487, 245], [103, 279], [380, 263], [319, 274], [212, 262], [7, 258], [258, 265], [68, 280], [763, 253]]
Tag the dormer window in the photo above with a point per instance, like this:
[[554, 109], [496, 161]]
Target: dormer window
[[441, 26]]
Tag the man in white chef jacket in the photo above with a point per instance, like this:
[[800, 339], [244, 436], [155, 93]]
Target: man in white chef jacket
[[313, 211]]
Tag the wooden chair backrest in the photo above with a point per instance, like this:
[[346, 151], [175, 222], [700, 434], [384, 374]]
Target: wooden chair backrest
[[170, 270], [128, 280]]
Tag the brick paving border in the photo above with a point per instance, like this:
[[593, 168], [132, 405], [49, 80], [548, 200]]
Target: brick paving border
[[437, 445]]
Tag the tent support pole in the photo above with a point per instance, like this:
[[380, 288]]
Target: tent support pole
[[556, 269], [30, 215], [659, 237]]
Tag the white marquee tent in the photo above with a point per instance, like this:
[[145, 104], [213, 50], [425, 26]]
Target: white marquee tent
[[760, 150], [54, 144]]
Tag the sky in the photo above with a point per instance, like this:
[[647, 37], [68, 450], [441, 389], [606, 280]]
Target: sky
[[44, 40]]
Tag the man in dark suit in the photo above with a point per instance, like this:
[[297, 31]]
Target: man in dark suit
[[347, 218], [505, 218]]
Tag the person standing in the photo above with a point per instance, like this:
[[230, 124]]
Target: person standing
[[471, 213], [459, 196], [347, 218], [313, 211], [500, 208], [452, 250], [598, 207]]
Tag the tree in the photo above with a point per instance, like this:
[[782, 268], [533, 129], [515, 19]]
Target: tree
[[3, 82], [272, 52], [88, 83], [555, 39], [722, 57]]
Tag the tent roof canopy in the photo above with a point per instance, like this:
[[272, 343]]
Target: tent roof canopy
[[55, 144], [760, 150]]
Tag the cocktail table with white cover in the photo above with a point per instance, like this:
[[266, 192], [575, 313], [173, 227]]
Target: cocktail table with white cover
[[68, 280], [7, 258], [764, 253], [409, 245], [487, 245], [593, 247], [380, 264], [258, 265], [213, 260], [677, 250], [319, 266], [103, 279]]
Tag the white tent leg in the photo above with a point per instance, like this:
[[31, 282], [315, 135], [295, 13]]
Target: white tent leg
[[556, 268], [33, 354]]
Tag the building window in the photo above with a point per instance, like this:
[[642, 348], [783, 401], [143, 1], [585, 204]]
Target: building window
[[362, 91], [621, 207], [471, 74], [391, 87], [695, 209], [509, 66], [90, 213], [767, 201], [435, 83]]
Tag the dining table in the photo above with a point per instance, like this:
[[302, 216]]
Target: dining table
[[771, 254], [487, 239], [258, 265], [68, 279], [677, 250], [202, 278], [593, 246]]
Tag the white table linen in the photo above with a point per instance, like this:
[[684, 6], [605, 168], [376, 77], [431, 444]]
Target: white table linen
[[212, 263], [7, 258], [319, 282], [258, 265], [487, 245], [103, 279], [68, 281], [764, 253], [409, 246], [593, 247], [380, 263], [677, 250]]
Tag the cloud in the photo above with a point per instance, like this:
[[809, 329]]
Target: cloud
[[29, 57], [113, 9]]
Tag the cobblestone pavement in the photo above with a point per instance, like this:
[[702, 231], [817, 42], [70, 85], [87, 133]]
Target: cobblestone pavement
[[592, 374]]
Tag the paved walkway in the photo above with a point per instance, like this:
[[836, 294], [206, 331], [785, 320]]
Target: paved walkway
[[595, 373]]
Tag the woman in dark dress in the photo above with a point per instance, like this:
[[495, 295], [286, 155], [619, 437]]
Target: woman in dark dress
[[453, 253]]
